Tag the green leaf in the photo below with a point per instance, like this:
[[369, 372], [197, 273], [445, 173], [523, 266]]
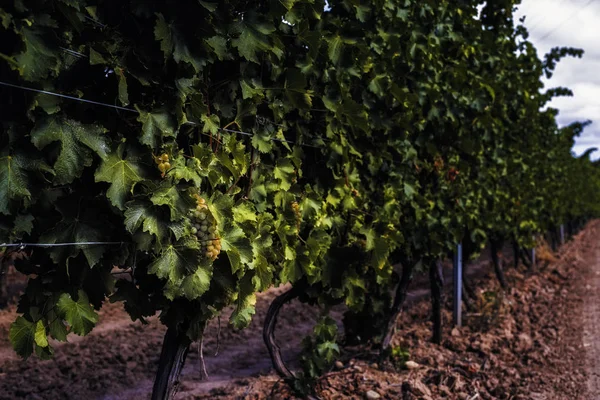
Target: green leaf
[[196, 284], [336, 45], [409, 191], [79, 314], [39, 59], [144, 215], [295, 89], [262, 142], [211, 124], [122, 174], [56, 327], [162, 33], [219, 46], [13, 183], [22, 336], [170, 196], [263, 273], [75, 229], [123, 94], [245, 304], [237, 247], [172, 43], [77, 141], [23, 223], [96, 58], [175, 262], [249, 92], [40, 334], [284, 171], [156, 126], [254, 38], [212, 7]]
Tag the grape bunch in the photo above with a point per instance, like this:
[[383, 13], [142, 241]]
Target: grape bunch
[[296, 209], [204, 227], [163, 163]]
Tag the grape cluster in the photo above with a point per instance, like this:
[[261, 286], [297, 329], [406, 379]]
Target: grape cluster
[[163, 163], [296, 208], [205, 228]]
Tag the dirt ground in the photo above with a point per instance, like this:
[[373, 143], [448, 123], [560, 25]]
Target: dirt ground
[[537, 341]]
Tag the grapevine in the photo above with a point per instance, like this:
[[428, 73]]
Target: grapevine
[[367, 136]]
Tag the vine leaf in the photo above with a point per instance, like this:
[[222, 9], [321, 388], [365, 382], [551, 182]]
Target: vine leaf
[[254, 37], [219, 46], [156, 125], [38, 59], [40, 335], [171, 197], [123, 93], [23, 223], [13, 182], [146, 216], [22, 336], [172, 43], [175, 262], [263, 273], [245, 304], [72, 229], [56, 327], [77, 141], [196, 284], [122, 174], [79, 314]]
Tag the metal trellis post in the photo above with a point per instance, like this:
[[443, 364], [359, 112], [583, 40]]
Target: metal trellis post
[[562, 234], [458, 285]]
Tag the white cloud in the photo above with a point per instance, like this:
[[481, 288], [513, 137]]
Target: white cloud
[[572, 23]]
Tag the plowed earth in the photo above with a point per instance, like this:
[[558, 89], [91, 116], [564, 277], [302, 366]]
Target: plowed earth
[[536, 340]]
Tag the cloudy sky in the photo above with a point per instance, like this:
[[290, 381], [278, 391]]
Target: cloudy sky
[[574, 23]]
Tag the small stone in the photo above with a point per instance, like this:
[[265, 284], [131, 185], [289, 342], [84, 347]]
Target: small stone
[[525, 342], [373, 395], [455, 332], [374, 366], [339, 365], [412, 365]]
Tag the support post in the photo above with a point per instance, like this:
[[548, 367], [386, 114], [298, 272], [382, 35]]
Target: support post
[[533, 254], [458, 285], [562, 234]]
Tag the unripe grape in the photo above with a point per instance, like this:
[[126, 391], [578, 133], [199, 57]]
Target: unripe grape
[[211, 228], [201, 216], [209, 254], [194, 230], [167, 165], [210, 248], [162, 167]]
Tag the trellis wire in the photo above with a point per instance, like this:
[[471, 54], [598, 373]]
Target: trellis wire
[[133, 110], [67, 97], [23, 245]]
